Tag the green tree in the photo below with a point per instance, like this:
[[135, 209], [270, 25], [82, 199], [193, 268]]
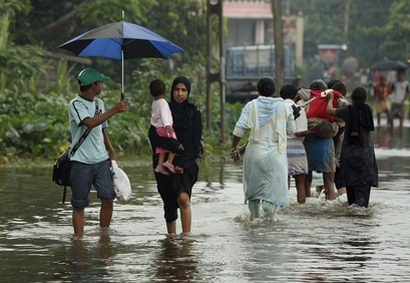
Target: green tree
[[325, 24], [396, 32], [41, 128], [365, 15]]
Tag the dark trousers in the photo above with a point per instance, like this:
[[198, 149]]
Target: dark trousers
[[358, 195], [339, 178]]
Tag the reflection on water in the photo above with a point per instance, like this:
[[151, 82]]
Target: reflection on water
[[74, 259], [175, 261], [319, 241], [387, 137]]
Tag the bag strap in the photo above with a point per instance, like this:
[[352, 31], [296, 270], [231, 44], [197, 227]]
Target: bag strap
[[85, 134]]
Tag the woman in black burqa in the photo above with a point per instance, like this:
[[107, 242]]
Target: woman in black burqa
[[358, 160], [175, 189]]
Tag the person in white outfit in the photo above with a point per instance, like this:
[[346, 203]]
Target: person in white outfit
[[399, 96], [265, 171]]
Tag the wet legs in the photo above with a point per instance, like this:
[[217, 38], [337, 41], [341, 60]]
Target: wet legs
[[184, 204], [328, 181], [78, 221], [172, 228], [106, 213], [300, 187], [308, 183], [185, 207], [105, 216]]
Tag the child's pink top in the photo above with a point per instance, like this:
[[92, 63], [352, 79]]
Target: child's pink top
[[161, 114]]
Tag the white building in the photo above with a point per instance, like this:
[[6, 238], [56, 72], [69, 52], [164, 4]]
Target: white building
[[250, 23]]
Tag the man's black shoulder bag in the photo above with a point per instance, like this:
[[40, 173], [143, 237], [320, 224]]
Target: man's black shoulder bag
[[62, 167]]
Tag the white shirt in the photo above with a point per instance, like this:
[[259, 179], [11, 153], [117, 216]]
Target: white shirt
[[399, 92], [161, 114], [92, 150], [301, 122]]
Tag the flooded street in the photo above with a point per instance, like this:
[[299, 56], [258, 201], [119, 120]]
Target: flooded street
[[317, 242]]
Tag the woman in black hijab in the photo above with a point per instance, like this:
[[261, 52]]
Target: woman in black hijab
[[176, 189], [358, 159]]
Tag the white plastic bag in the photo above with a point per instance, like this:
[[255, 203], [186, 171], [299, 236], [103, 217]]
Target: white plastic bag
[[122, 185]]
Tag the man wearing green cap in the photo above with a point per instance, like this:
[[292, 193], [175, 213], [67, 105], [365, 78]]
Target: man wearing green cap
[[91, 162]]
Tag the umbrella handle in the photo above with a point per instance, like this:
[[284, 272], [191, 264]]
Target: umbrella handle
[[122, 73]]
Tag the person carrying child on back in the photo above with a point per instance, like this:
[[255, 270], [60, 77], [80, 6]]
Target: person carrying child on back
[[161, 119], [320, 123], [319, 145]]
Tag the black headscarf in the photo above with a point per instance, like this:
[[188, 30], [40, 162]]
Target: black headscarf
[[181, 113], [187, 120]]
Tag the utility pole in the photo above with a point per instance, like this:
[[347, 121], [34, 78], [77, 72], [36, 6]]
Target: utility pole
[[346, 22], [278, 38], [215, 7]]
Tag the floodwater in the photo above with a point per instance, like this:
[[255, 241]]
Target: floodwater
[[317, 242]]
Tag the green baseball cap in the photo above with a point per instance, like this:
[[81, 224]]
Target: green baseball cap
[[89, 76]]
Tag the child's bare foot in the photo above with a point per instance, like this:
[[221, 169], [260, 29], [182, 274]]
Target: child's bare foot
[[161, 170], [169, 166]]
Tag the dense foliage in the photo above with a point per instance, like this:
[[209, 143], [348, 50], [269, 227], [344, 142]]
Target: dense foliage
[[371, 29], [35, 90]]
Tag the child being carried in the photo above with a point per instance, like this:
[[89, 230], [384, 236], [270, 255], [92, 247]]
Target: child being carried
[[320, 122], [161, 119]]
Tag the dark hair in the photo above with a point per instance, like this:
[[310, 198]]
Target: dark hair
[[318, 85], [332, 82], [157, 88], [359, 95], [84, 88], [340, 87], [288, 92], [266, 86]]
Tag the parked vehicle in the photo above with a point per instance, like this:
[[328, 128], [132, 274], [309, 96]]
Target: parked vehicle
[[246, 64]]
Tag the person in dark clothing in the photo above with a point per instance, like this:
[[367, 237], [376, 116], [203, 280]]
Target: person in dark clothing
[[358, 159], [175, 189]]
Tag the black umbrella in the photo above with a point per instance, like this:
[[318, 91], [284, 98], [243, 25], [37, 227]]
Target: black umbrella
[[389, 65]]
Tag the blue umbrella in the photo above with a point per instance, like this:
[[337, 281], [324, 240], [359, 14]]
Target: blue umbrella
[[119, 41]]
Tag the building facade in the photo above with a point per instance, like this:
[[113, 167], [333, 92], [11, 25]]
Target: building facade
[[250, 23]]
